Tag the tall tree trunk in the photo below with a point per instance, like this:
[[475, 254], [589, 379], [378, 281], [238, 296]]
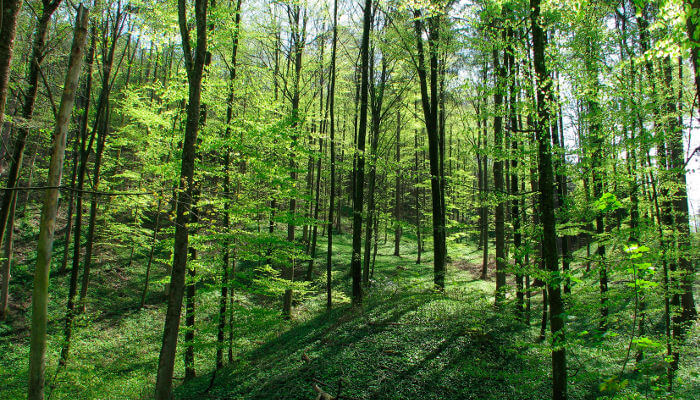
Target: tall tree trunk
[[514, 184], [499, 216], [227, 187], [547, 191], [84, 101], [331, 108], [377, 94], [596, 135], [359, 176], [674, 137], [40, 294], [417, 202], [101, 139], [317, 184], [298, 38], [102, 123], [8, 28], [431, 115], [194, 64], [38, 53], [397, 187]]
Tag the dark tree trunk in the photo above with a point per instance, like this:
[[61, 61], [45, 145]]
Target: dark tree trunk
[[359, 176], [547, 192], [499, 216], [431, 115], [417, 202], [298, 38], [331, 108], [10, 12], [226, 251], [377, 93], [30, 94], [102, 127], [514, 184], [397, 188], [194, 64], [154, 241], [84, 101]]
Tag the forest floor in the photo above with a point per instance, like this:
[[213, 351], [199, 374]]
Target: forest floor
[[405, 342]]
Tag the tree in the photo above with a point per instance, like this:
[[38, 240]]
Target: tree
[[359, 159], [429, 101], [195, 60], [546, 208], [37, 357]]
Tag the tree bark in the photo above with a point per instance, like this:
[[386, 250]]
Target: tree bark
[[547, 191], [30, 94], [331, 109], [37, 352], [194, 64], [397, 188], [359, 180], [499, 215], [431, 115], [83, 100], [8, 28]]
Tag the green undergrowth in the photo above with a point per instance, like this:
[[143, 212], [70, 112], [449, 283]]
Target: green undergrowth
[[406, 341]]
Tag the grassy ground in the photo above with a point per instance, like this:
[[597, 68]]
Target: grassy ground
[[405, 342]]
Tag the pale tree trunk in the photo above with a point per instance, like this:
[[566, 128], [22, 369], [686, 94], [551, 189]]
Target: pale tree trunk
[[37, 352]]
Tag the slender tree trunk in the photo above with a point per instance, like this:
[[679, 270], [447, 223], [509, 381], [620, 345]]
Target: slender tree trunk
[[194, 63], [377, 93], [37, 352], [87, 264], [359, 176], [8, 28], [227, 187], [547, 191], [298, 38], [102, 126], [7, 263], [30, 94], [514, 184], [331, 109], [154, 241], [84, 99], [397, 188], [431, 115], [686, 271], [71, 200], [419, 241], [499, 216], [190, 294]]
